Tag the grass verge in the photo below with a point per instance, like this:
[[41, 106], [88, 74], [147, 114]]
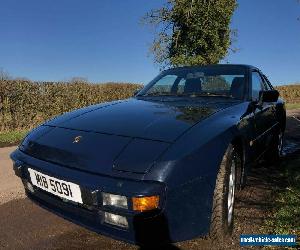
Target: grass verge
[[285, 217], [10, 138], [293, 106]]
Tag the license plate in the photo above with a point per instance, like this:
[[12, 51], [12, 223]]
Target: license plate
[[60, 188]]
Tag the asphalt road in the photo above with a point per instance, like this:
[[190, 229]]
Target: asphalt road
[[10, 186], [24, 225]]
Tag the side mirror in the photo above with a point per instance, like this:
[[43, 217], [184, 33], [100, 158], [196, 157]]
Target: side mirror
[[269, 95]]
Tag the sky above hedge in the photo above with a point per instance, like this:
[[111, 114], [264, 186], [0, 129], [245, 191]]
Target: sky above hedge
[[104, 40]]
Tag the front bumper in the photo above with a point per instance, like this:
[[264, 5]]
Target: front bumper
[[143, 228]]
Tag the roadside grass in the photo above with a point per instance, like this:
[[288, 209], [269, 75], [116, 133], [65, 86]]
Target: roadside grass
[[285, 217], [293, 106], [9, 138]]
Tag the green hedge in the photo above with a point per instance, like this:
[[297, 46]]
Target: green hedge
[[290, 93], [25, 104]]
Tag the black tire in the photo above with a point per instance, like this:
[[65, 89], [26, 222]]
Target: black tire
[[221, 222], [274, 154]]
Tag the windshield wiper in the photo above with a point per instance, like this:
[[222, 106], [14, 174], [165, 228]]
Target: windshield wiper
[[210, 94], [162, 94], [188, 95]]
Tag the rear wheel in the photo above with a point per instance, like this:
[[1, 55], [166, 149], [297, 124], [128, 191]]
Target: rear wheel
[[275, 151], [280, 143], [228, 179]]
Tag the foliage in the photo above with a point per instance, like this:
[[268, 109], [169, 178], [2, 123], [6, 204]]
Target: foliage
[[215, 82], [290, 93], [25, 104], [191, 32]]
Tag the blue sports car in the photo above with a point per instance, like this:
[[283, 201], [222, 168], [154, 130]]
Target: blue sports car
[[162, 166]]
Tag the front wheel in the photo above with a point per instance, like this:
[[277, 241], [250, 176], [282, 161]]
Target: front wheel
[[224, 195]]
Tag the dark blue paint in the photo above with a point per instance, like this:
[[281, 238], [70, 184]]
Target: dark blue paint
[[137, 118], [170, 147], [139, 155]]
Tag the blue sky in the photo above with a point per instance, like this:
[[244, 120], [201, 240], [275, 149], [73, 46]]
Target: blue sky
[[103, 40]]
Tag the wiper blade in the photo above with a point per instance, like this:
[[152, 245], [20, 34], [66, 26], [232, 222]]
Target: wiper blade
[[162, 94], [208, 94], [168, 94]]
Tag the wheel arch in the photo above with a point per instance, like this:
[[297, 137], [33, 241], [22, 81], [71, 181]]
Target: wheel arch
[[239, 144]]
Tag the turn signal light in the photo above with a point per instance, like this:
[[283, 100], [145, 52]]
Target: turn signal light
[[145, 203]]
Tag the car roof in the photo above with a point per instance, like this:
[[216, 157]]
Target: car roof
[[245, 66]]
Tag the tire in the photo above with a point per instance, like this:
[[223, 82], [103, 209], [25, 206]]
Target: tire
[[275, 152], [224, 196]]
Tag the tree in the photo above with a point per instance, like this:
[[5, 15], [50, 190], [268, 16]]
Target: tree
[[191, 32], [4, 75]]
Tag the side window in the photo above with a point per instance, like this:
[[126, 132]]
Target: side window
[[257, 85]]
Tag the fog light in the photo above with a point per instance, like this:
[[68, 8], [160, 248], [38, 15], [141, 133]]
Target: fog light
[[114, 200], [116, 220], [145, 203], [29, 187]]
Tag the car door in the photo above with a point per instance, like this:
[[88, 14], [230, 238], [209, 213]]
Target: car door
[[263, 116]]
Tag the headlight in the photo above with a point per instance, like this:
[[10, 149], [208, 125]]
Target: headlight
[[115, 200]]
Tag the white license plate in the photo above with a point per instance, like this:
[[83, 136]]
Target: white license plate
[[60, 188]]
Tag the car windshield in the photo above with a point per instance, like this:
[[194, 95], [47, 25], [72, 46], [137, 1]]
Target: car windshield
[[198, 82]]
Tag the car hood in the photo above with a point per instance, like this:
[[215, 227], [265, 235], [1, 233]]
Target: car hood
[[126, 136], [147, 119], [92, 152]]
